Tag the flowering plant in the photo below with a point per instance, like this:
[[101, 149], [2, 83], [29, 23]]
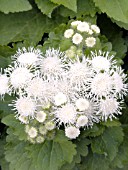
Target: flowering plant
[[64, 98]]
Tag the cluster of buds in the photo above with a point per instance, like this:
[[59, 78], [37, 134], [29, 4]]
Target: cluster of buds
[[82, 33], [40, 129]]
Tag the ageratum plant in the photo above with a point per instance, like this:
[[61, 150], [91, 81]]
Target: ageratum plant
[[63, 85]]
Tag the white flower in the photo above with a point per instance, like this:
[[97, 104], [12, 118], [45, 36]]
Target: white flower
[[75, 23], [72, 132], [109, 107], [66, 114], [19, 76], [90, 41], [65, 89], [101, 61], [48, 92], [95, 28], [82, 104], [83, 27], [80, 74], [68, 33], [101, 85], [87, 107], [40, 139], [60, 99], [32, 132], [53, 64], [82, 121], [41, 116], [119, 82], [23, 119], [25, 106], [35, 87], [77, 38], [3, 84], [50, 126], [28, 56]]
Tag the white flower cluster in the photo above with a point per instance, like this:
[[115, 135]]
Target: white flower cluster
[[82, 32], [76, 93]]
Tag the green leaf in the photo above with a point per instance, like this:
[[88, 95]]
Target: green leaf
[[110, 123], [3, 162], [17, 128], [109, 142], [86, 8], [96, 130], [7, 6], [94, 162], [116, 9], [121, 24], [114, 34], [5, 56], [67, 3], [4, 108], [83, 8], [122, 156], [17, 157], [46, 6], [82, 150], [29, 26], [48, 156]]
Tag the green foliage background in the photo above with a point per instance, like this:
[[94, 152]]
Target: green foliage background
[[41, 23]]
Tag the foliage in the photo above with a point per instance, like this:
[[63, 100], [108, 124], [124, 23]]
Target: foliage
[[41, 23]]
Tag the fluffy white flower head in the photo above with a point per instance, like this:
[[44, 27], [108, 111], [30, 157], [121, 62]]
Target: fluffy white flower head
[[100, 63], [77, 38], [101, 85], [48, 92], [20, 77], [82, 104], [83, 27], [3, 84], [60, 99], [79, 73], [90, 41], [66, 114], [119, 83], [32, 132], [41, 116], [68, 33], [25, 106], [35, 87], [109, 107], [95, 28], [72, 132], [52, 64], [82, 121], [28, 56]]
